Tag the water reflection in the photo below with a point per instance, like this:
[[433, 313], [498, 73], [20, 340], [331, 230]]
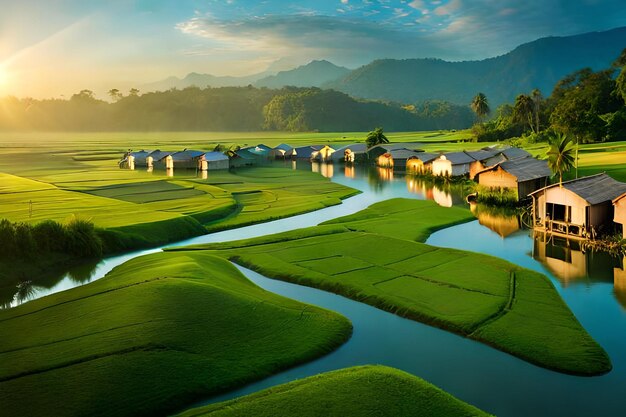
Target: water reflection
[[46, 283], [571, 264], [349, 171], [501, 222]]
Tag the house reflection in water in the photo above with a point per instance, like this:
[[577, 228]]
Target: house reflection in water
[[501, 223], [571, 264], [431, 191], [349, 171]]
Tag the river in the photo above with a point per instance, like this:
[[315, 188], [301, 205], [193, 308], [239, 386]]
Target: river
[[593, 285]]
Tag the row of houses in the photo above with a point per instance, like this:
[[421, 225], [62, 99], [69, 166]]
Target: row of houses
[[185, 159]]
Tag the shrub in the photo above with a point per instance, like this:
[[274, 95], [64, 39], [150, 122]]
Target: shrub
[[49, 236], [82, 239]]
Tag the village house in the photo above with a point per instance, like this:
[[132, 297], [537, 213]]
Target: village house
[[260, 150], [324, 154], [303, 152], [354, 152], [187, 159], [140, 158], [480, 158], [279, 151], [579, 208], [508, 153], [421, 163], [375, 151], [452, 164], [212, 161], [524, 176], [159, 159], [243, 158], [619, 217], [395, 158]]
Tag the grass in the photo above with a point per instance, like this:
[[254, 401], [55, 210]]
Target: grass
[[359, 391], [157, 333], [377, 260]]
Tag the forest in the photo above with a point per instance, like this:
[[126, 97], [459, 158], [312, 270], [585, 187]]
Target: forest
[[227, 109]]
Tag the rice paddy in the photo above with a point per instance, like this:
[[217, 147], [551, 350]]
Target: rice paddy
[[512, 309], [155, 334], [359, 391]]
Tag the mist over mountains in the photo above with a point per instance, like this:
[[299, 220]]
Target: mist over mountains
[[538, 64]]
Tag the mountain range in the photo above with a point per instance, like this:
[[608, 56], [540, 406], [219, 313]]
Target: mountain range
[[538, 64]]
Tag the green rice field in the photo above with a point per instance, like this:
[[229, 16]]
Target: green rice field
[[359, 391], [155, 334], [478, 296]]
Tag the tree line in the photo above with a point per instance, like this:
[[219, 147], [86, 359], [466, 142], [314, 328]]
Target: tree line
[[587, 105], [226, 109]]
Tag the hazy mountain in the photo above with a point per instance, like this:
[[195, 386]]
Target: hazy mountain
[[539, 64], [313, 74], [202, 81]]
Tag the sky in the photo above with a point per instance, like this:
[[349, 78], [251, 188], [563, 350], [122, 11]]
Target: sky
[[54, 48]]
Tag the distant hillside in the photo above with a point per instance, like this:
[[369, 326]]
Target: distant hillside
[[313, 74], [202, 81], [539, 64]]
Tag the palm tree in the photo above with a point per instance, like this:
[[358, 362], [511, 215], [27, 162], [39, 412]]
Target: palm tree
[[560, 155], [480, 106], [537, 100], [376, 137], [524, 109]]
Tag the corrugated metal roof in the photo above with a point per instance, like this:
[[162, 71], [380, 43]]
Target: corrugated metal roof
[[158, 155], [402, 153], [284, 147], [482, 154], [215, 156], [357, 148], [304, 151], [458, 158], [524, 169], [404, 145], [515, 153], [186, 155], [141, 154], [594, 189], [426, 157]]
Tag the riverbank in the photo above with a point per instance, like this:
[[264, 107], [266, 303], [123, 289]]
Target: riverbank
[[155, 334]]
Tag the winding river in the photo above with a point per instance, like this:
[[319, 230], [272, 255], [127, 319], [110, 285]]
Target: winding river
[[592, 285]]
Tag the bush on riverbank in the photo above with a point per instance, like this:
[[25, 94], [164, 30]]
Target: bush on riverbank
[[77, 237]]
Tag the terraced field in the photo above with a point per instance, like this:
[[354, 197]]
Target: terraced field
[[152, 336], [376, 260]]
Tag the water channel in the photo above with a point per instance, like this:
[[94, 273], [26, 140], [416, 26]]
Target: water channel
[[592, 284]]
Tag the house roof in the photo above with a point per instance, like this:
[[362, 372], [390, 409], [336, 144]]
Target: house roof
[[594, 189], [141, 154], [215, 156], [284, 147], [402, 153], [305, 151], [245, 154], [523, 169], [404, 145], [158, 155], [426, 157], [257, 150], [186, 155], [481, 154], [358, 148], [458, 158]]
